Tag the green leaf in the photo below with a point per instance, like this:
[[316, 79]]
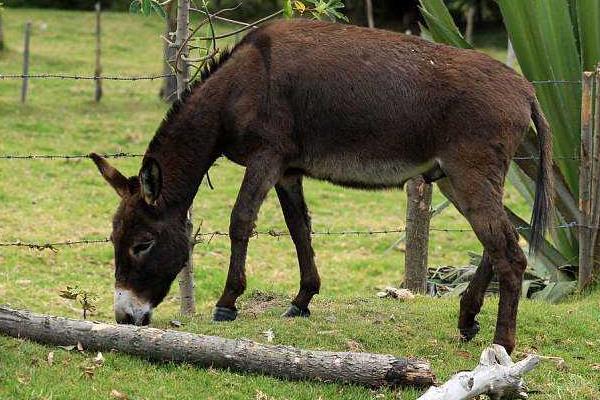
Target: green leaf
[[146, 7], [288, 11], [441, 26], [588, 24], [158, 9], [545, 45], [134, 7]]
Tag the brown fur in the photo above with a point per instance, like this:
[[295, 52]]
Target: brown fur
[[357, 107]]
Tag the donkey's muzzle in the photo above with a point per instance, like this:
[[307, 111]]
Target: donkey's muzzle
[[129, 319], [131, 309]]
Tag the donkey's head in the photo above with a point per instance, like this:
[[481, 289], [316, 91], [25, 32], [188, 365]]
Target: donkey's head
[[151, 242]]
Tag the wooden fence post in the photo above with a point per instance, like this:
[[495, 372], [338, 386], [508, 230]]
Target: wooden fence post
[[369, 11], [168, 90], [596, 184], [1, 33], [510, 55], [26, 62], [98, 70], [186, 276], [417, 234], [585, 223]]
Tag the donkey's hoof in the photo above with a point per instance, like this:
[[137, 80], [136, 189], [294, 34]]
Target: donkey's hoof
[[295, 311], [469, 333], [224, 314]]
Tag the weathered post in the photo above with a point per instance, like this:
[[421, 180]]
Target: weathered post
[[1, 33], [186, 276], [417, 234], [585, 223], [168, 90], [26, 62], [98, 70], [470, 18], [596, 183], [369, 11], [510, 55]]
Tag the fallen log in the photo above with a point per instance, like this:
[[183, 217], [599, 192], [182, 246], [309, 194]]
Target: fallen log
[[496, 376], [372, 370]]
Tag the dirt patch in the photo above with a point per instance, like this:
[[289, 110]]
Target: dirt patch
[[258, 302]]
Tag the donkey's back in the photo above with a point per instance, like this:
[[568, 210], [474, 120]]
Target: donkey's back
[[371, 108]]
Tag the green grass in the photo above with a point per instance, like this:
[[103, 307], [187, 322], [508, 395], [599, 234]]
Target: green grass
[[56, 200]]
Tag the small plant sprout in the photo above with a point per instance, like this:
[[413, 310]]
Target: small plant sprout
[[86, 299]]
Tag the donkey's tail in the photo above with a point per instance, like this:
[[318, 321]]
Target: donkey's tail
[[542, 205]]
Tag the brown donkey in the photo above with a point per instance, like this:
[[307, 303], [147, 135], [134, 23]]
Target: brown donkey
[[357, 107]]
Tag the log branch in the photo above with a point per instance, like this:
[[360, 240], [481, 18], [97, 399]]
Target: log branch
[[496, 376], [372, 370]]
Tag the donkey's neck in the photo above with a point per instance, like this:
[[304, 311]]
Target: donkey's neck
[[185, 147]]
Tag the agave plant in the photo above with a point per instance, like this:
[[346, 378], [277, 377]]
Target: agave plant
[[554, 41]]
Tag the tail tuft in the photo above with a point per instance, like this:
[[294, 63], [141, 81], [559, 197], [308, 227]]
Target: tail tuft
[[542, 205]]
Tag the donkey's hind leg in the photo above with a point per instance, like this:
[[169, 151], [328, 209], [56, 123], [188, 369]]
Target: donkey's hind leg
[[479, 197], [472, 299], [291, 197]]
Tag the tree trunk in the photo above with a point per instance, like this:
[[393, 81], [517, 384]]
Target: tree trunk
[[369, 11], [470, 17], [168, 91], [417, 234], [373, 370], [186, 276], [496, 376]]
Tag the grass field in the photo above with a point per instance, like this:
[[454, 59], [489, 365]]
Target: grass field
[[48, 200]]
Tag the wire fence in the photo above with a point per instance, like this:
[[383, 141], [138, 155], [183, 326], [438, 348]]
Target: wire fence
[[64, 76], [86, 77], [65, 156], [135, 155], [202, 237]]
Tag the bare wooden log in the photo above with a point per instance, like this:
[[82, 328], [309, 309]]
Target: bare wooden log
[[417, 234], [496, 376], [585, 236], [372, 370]]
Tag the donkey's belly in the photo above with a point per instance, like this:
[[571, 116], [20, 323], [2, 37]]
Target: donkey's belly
[[353, 172]]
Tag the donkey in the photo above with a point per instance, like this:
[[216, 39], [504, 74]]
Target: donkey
[[358, 107]]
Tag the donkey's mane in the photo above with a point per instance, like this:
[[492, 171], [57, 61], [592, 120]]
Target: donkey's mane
[[211, 66]]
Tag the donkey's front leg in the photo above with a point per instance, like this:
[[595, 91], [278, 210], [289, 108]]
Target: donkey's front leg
[[261, 175]]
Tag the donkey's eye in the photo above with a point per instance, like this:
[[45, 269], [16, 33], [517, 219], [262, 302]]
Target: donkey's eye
[[142, 248]]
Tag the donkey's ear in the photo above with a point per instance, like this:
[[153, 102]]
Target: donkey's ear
[[150, 181], [117, 180]]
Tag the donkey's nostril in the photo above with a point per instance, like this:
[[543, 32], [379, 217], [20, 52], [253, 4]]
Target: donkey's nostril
[[145, 319], [125, 319]]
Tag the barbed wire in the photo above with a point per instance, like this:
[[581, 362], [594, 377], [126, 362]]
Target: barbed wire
[[550, 82], [199, 236], [133, 155], [65, 156], [62, 76], [53, 245]]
